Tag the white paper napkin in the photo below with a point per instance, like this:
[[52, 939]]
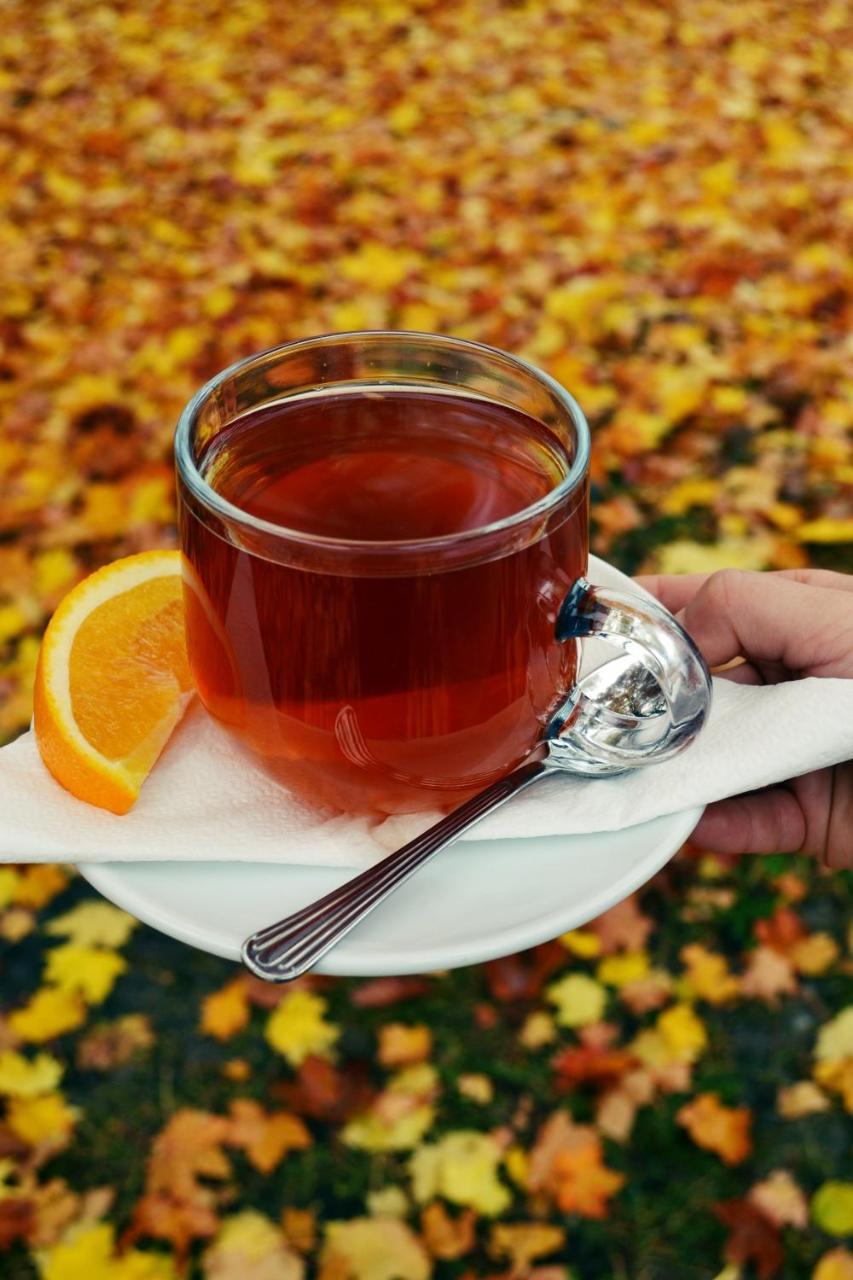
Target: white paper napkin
[[206, 800]]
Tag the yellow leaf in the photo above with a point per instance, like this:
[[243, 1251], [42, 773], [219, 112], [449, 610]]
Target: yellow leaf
[[462, 1167], [835, 1265], [38, 884], [49, 1013], [218, 301], [708, 975], [619, 969], [21, 1077], [376, 1130], [683, 556], [832, 1208], [377, 265], [826, 529], [297, 1027], [8, 875], [582, 942], [814, 954], [835, 1038], [88, 1253], [476, 1087], [374, 1249], [524, 1242], [801, 1099], [579, 1000], [44, 1119], [689, 493], [94, 924], [683, 1033], [539, 1029], [248, 1246], [90, 970], [225, 1012]]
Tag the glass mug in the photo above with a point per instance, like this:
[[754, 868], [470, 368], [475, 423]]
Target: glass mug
[[385, 541]]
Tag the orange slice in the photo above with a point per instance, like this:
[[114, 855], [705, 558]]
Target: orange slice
[[113, 678]]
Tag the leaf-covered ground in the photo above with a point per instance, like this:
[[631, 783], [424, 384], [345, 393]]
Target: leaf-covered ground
[[654, 202]]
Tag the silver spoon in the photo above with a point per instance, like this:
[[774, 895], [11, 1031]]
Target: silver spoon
[[637, 709]]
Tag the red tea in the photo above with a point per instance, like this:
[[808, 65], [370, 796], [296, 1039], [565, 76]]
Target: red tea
[[370, 676]]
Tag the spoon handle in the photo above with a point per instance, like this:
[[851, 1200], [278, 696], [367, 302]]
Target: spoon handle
[[284, 951]]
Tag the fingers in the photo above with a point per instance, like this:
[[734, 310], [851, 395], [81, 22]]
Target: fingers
[[769, 618], [676, 590], [761, 822], [839, 836]]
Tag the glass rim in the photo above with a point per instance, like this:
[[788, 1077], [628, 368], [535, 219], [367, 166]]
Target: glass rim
[[231, 514]]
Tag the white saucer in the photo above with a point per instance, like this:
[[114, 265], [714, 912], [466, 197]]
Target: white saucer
[[476, 901]]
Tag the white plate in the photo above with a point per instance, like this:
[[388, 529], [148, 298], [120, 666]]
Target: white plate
[[478, 900]]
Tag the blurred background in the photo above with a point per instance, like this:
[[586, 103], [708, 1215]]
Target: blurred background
[[655, 204]]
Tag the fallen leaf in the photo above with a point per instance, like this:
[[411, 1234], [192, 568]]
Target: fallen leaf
[[814, 954], [835, 1265], [38, 884], [708, 975], [835, 1038], [780, 1199], [623, 927], [583, 1183], [752, 1238], [723, 1130], [380, 992], [92, 971], [446, 1237], [248, 1245], [832, 1207], [110, 1044], [399, 1116], [578, 1000], [801, 1099], [683, 1033], [475, 1087], [374, 1249], [463, 1168], [21, 1077], [400, 1044], [523, 1242], [781, 930], [176, 1204], [94, 924], [768, 975], [265, 1136], [323, 1092], [49, 1013], [579, 1064], [297, 1027], [225, 1012], [44, 1121], [300, 1228], [17, 1220], [522, 976], [538, 1030]]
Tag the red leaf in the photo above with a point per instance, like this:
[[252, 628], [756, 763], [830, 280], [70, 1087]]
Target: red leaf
[[522, 977], [581, 1063], [325, 1093], [781, 930], [17, 1220], [752, 1237], [379, 992]]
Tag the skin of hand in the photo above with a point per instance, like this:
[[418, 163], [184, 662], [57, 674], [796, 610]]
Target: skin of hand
[[773, 627]]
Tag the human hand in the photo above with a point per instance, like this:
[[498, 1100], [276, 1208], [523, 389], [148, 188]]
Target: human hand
[[773, 627]]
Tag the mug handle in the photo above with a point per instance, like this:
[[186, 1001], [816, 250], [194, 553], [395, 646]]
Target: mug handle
[[640, 708]]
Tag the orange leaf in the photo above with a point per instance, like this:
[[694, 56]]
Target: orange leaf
[[265, 1136], [622, 927], [723, 1130], [446, 1237], [225, 1012]]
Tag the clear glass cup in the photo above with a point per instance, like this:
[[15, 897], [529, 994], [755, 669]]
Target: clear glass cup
[[391, 675]]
